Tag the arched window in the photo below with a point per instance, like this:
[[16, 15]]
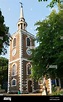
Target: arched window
[[14, 70], [13, 82], [28, 41], [14, 42], [28, 66]]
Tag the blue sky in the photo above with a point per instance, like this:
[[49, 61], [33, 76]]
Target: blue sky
[[33, 12]]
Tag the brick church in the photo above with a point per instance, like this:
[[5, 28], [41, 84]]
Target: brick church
[[19, 64], [19, 69]]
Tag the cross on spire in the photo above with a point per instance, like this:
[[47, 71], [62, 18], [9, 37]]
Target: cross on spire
[[21, 4]]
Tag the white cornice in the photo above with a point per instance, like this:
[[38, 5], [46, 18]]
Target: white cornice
[[24, 59], [27, 33], [23, 32], [14, 61]]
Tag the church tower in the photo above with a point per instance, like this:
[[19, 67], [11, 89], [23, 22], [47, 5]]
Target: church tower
[[19, 64]]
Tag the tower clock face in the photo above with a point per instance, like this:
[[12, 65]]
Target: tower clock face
[[13, 52], [28, 51]]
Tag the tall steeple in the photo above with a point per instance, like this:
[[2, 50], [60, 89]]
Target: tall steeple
[[21, 11], [21, 23]]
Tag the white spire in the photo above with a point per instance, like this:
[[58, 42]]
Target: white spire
[[21, 23], [21, 11]]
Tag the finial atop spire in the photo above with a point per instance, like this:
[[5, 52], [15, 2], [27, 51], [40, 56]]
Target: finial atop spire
[[21, 4]]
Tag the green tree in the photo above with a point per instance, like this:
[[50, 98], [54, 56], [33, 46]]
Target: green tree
[[4, 35], [3, 71], [53, 2], [50, 48]]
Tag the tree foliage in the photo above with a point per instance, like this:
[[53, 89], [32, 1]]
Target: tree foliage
[[50, 48], [4, 35], [53, 2], [3, 70]]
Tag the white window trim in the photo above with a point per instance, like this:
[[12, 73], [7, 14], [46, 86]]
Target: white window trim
[[26, 41], [12, 43], [15, 69], [27, 68]]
